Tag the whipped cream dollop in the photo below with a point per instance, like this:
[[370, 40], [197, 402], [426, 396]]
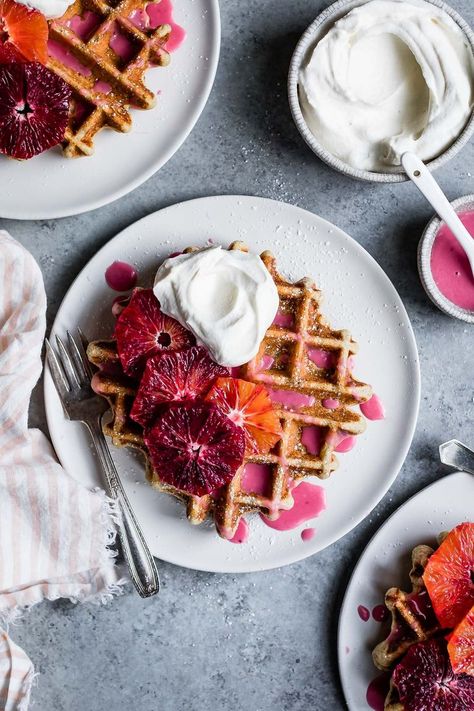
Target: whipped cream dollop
[[49, 8], [227, 298], [390, 76]]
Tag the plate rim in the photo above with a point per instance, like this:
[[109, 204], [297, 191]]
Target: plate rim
[[250, 565], [438, 482], [194, 114]]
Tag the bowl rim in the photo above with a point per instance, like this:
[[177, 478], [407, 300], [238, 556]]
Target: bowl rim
[[328, 17], [425, 247]]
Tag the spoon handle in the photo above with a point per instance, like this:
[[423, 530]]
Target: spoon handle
[[457, 455], [427, 185]]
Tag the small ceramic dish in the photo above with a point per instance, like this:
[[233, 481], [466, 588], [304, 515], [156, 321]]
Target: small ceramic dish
[[315, 32], [462, 204]]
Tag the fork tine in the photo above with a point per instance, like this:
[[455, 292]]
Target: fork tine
[[77, 360], [82, 344], [67, 364], [57, 374]]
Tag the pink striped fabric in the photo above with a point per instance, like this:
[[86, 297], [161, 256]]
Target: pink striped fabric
[[54, 533]]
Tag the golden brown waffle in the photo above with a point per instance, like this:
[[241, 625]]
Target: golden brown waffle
[[91, 108], [292, 371]]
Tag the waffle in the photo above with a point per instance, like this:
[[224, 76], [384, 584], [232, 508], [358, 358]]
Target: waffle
[[91, 108], [292, 371], [412, 621]]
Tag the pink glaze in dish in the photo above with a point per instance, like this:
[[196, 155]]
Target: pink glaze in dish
[[121, 276], [242, 533], [321, 358], [307, 534], [285, 320], [162, 14], [58, 51], [290, 400], [373, 408], [450, 265], [257, 479], [309, 502]]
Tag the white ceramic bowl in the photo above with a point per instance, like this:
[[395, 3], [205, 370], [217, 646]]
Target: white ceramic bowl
[[315, 32], [425, 247]]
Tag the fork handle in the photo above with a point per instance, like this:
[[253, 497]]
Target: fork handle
[[141, 563]]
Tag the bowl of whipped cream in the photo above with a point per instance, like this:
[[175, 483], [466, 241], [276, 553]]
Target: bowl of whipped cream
[[372, 79]]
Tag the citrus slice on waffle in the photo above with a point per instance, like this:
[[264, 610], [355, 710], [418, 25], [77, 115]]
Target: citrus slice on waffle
[[23, 33], [461, 645]]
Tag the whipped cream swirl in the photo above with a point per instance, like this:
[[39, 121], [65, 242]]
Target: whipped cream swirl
[[390, 76], [227, 298]]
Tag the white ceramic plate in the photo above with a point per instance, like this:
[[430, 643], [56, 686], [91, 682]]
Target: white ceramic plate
[[358, 295], [386, 563], [50, 186]]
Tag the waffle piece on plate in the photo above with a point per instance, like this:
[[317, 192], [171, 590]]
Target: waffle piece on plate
[[412, 616], [320, 395], [105, 83]]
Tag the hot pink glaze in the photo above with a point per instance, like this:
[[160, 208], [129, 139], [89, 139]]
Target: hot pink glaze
[[346, 444], [322, 358], [283, 319], [380, 613], [312, 439], [266, 363], [290, 400], [377, 691], [450, 265], [58, 51], [363, 613], [162, 14], [85, 25], [140, 19], [307, 534], [373, 408], [121, 276], [242, 533], [330, 403], [257, 479], [103, 87], [121, 45], [309, 500]]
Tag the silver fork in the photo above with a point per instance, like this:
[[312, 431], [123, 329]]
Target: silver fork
[[72, 375]]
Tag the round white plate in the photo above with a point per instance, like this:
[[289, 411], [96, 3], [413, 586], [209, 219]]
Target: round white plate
[[358, 295], [385, 563], [50, 186]]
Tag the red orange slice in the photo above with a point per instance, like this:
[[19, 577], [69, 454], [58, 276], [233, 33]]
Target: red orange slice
[[23, 29]]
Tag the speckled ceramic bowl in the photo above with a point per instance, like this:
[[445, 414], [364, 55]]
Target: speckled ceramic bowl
[[315, 32], [425, 247]]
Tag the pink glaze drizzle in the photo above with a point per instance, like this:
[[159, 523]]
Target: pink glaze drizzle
[[321, 358], [121, 45], [363, 613], [102, 87], [121, 276], [309, 502], [312, 439], [380, 613], [450, 265], [56, 50], [290, 400], [242, 533], [330, 403], [162, 14], [257, 479], [307, 534], [285, 320], [84, 25], [377, 692], [373, 408]]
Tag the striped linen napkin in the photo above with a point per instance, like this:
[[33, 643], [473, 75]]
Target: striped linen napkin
[[54, 533]]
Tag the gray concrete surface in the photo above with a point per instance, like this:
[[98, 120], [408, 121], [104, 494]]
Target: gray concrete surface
[[265, 641]]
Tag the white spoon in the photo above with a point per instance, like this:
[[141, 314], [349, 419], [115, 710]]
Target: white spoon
[[426, 184]]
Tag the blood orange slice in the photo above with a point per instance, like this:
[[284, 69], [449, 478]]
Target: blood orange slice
[[449, 576], [461, 645], [23, 29], [250, 407]]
